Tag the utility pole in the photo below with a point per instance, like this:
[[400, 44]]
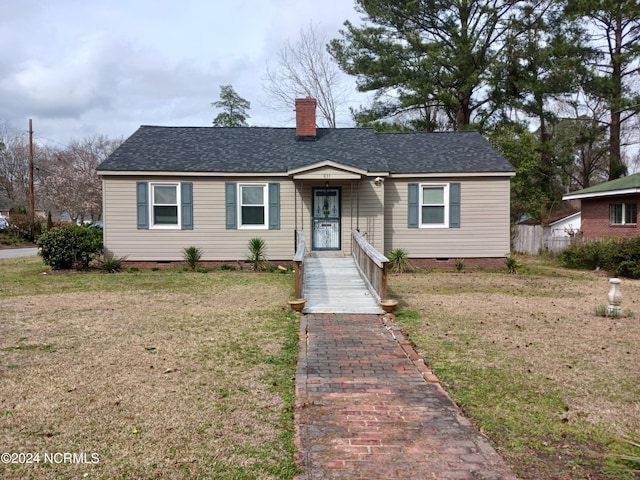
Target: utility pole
[[32, 203]]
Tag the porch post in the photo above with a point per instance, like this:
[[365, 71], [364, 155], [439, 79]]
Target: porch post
[[351, 205], [358, 205]]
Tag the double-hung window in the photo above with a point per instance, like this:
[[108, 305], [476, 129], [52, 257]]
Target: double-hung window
[[165, 205], [623, 213], [253, 211], [434, 205], [252, 205]]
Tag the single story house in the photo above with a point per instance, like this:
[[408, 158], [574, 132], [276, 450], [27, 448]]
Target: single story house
[[609, 209], [439, 196]]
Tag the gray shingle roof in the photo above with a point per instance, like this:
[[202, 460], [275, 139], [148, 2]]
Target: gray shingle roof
[[268, 150]]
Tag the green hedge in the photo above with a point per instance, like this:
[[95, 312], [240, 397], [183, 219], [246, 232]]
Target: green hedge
[[620, 256], [70, 246]]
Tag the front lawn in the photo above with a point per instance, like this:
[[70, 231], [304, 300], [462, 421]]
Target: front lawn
[[146, 374], [554, 386]]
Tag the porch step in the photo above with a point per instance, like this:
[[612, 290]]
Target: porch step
[[328, 254], [334, 285]]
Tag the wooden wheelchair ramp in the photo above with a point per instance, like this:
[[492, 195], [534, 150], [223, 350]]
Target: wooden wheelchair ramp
[[334, 285]]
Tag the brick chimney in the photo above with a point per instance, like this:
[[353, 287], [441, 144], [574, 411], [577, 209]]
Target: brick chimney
[[306, 118]]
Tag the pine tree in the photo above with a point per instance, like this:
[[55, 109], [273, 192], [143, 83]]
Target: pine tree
[[235, 109]]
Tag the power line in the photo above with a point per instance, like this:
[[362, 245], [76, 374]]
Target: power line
[[51, 140]]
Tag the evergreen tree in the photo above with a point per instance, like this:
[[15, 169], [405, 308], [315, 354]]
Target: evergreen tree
[[429, 58], [614, 30], [519, 146], [235, 109], [542, 64]]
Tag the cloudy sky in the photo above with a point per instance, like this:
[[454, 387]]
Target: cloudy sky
[[84, 67]]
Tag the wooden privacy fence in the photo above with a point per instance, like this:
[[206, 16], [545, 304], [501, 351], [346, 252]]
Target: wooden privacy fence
[[298, 261], [371, 263], [531, 239]]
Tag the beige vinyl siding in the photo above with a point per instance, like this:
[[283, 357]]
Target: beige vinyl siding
[[484, 221], [123, 239], [371, 222]]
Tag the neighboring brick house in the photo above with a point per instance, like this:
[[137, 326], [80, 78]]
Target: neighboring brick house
[[609, 209]]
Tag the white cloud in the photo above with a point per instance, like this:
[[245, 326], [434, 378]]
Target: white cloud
[[79, 68]]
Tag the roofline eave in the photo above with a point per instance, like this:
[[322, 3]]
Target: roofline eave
[[452, 174], [178, 173], [606, 193]]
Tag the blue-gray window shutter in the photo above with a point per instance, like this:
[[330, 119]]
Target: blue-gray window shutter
[[142, 199], [186, 197], [230, 205], [274, 206], [413, 206], [454, 205]]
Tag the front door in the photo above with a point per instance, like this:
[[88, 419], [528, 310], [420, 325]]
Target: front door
[[326, 218]]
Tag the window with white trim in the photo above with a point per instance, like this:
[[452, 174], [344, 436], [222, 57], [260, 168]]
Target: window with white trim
[[434, 205], [253, 202], [165, 205], [623, 213]]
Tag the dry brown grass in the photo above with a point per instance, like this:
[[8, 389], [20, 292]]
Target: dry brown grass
[[158, 383], [539, 328]]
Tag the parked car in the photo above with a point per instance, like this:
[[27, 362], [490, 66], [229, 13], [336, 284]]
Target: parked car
[[4, 223], [97, 224]]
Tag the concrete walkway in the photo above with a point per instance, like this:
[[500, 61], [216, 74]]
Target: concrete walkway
[[368, 408], [334, 285]]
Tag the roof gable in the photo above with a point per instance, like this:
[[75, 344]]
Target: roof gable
[[320, 170]]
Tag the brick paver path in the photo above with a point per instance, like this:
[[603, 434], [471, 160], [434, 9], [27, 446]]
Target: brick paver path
[[365, 409]]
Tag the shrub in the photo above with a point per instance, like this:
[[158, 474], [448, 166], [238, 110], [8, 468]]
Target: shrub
[[618, 256], [257, 253], [191, 257], [49, 221], [70, 246], [512, 264], [111, 264], [20, 226], [399, 260]]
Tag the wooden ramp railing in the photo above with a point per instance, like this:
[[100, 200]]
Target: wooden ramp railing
[[298, 262], [371, 263]]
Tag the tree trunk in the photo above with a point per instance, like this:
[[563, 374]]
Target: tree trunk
[[463, 114], [616, 167]]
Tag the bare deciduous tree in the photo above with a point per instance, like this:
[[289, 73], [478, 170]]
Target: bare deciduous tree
[[305, 69], [72, 184], [14, 168]]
